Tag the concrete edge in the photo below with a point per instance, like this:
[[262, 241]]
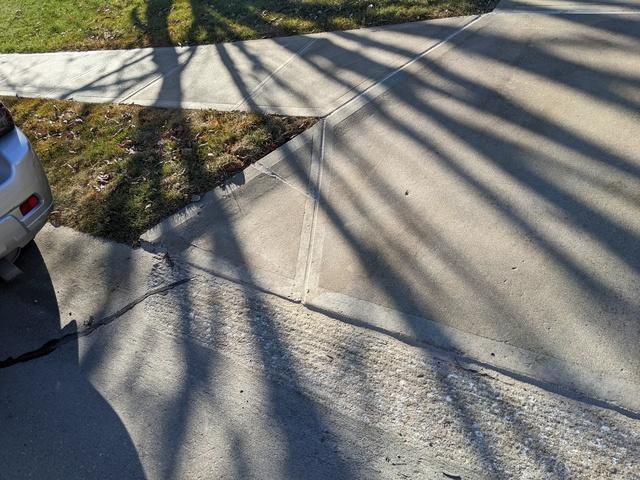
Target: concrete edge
[[155, 233], [565, 8], [380, 87], [129, 100], [566, 12], [553, 374]]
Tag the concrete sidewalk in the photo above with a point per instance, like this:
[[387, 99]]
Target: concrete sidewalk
[[571, 6], [483, 199], [309, 75]]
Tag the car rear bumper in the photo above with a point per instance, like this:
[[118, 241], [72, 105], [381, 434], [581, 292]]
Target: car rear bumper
[[21, 175]]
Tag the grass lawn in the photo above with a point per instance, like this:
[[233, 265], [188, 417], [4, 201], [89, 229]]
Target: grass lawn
[[49, 25], [117, 170]]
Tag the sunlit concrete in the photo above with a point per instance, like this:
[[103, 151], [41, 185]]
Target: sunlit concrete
[[301, 75], [482, 199]]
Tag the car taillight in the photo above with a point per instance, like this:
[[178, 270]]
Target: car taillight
[[6, 120], [29, 204]]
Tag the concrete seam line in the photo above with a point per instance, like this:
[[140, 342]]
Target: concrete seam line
[[234, 278], [270, 173], [306, 230], [274, 73], [567, 12], [138, 90], [392, 74], [51, 91], [51, 345], [314, 214], [157, 78]]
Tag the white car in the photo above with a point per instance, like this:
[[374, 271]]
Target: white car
[[25, 196]]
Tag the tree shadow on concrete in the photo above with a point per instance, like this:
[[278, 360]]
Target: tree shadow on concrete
[[409, 110], [200, 364], [54, 423], [406, 109], [415, 293]]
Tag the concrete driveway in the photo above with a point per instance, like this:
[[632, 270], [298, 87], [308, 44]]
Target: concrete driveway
[[482, 198], [120, 363], [101, 379], [438, 280]]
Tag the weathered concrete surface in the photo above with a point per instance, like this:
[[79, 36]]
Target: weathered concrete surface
[[212, 379], [186, 413], [307, 75], [68, 279], [130, 400], [584, 6], [493, 215]]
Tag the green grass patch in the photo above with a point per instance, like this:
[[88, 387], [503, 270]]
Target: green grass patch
[[50, 25], [117, 170]]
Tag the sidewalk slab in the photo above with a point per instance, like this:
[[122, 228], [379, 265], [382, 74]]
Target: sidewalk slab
[[255, 228], [335, 67], [307, 75], [557, 6], [220, 76], [104, 76], [504, 206]]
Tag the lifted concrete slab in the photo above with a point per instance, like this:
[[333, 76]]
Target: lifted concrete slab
[[498, 205]]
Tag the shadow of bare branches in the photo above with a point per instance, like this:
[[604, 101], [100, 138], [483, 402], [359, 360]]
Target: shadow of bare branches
[[454, 127]]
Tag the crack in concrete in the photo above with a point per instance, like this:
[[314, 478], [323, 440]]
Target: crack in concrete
[[270, 173], [51, 345]]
